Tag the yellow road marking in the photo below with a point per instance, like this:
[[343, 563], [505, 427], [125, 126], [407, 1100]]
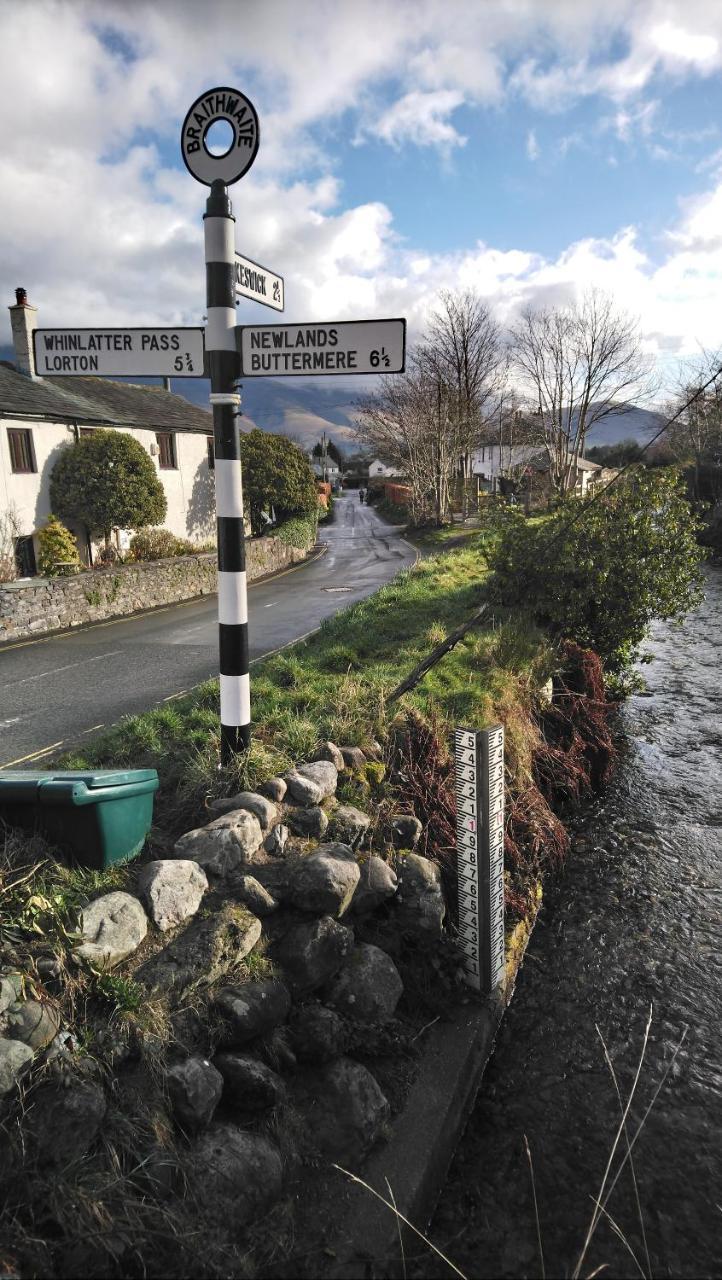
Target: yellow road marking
[[34, 755]]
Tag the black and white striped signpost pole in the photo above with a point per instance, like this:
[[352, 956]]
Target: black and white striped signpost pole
[[239, 117]]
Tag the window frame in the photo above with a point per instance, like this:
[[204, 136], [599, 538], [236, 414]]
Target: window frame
[[167, 439], [25, 434]]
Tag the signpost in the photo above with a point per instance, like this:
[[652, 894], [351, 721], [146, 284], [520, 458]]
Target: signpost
[[480, 854], [258, 283], [120, 353], [341, 347]]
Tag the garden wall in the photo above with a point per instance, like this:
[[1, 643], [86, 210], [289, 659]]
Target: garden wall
[[32, 607]]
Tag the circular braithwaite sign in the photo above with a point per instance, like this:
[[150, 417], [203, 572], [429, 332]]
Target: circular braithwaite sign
[[240, 114]]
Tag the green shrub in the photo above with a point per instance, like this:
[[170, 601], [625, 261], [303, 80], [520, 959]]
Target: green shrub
[[106, 480], [601, 575], [299, 532], [56, 545], [276, 474], [161, 544]]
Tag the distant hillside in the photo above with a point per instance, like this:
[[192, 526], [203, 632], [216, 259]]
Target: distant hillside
[[303, 410]]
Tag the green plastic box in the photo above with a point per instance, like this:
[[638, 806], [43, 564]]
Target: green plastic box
[[98, 818]]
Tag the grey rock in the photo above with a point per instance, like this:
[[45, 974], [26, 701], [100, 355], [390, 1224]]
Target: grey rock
[[204, 951], [15, 1059], [253, 895], [311, 822], [377, 885], [312, 783], [252, 1009], [275, 841], [353, 757], [263, 808], [324, 883], [248, 1084], [545, 693], [420, 900], [35, 1022], [369, 987], [329, 751], [229, 1167], [406, 830], [349, 825], [274, 788], [317, 1033], [312, 953], [11, 990], [195, 1088], [226, 845], [171, 890], [64, 1122], [348, 1111], [49, 968], [113, 927]]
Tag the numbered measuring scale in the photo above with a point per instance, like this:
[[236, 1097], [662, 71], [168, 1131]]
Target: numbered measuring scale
[[479, 757]]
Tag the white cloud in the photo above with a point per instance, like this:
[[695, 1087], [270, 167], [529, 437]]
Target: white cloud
[[532, 146], [420, 118]]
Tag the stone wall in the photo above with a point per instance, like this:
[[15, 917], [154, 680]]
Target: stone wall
[[51, 604]]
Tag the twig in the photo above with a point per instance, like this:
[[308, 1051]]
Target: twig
[[629, 1153], [431, 659], [398, 1228], [415, 1230], [536, 1207], [426, 1028], [618, 1232]]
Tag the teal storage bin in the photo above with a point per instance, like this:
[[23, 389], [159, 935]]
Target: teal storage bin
[[98, 818]]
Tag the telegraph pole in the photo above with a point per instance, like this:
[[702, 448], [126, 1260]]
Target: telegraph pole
[[223, 366]]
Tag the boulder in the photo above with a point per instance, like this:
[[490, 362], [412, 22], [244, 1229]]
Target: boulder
[[231, 1171], [263, 808], [405, 830], [312, 783], [317, 1033], [420, 900], [171, 890], [226, 845], [12, 988], [252, 1008], [378, 883], [195, 1089], [275, 841], [349, 825], [113, 927], [353, 757], [329, 751], [248, 1085], [311, 823], [324, 883], [311, 953], [274, 788], [253, 895], [204, 951], [15, 1059], [369, 986], [63, 1123], [35, 1022], [347, 1111]]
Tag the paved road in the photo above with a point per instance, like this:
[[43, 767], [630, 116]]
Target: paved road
[[55, 691]]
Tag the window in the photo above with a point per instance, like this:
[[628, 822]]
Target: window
[[211, 453], [87, 431], [166, 449], [25, 557], [22, 454]]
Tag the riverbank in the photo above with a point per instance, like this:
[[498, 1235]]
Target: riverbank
[[557, 751]]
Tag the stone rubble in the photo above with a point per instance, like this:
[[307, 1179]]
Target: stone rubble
[[171, 891], [195, 1088], [113, 927], [263, 809]]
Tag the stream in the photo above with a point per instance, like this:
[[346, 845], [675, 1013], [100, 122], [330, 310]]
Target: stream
[[633, 925]]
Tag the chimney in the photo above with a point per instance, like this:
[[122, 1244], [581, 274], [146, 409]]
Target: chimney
[[22, 319]]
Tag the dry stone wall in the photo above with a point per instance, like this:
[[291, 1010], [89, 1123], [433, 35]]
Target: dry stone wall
[[52, 604]]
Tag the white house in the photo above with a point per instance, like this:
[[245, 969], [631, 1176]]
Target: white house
[[40, 416], [378, 468], [328, 470], [491, 462]]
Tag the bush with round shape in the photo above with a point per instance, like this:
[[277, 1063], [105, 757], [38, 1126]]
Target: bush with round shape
[[106, 480], [58, 549]]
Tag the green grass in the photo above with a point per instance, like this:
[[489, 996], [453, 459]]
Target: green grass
[[335, 685]]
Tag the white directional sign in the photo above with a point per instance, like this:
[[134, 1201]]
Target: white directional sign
[[355, 346], [160, 353], [480, 854], [258, 283]]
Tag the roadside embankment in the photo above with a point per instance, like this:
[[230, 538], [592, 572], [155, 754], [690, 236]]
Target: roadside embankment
[[197, 1034]]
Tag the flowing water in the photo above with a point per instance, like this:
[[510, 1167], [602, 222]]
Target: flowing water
[[636, 923]]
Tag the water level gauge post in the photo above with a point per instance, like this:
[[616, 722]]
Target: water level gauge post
[[479, 760]]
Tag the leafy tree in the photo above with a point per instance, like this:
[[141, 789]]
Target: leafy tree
[[276, 476], [332, 451], [57, 545], [107, 480], [600, 576]]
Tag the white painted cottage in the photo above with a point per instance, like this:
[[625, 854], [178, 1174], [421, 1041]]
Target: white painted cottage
[[40, 416]]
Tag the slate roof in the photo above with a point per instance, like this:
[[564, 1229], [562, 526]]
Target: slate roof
[[99, 401]]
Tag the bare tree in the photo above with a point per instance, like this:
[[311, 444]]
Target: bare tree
[[696, 435], [581, 363]]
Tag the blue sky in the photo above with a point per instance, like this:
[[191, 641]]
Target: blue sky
[[525, 149]]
